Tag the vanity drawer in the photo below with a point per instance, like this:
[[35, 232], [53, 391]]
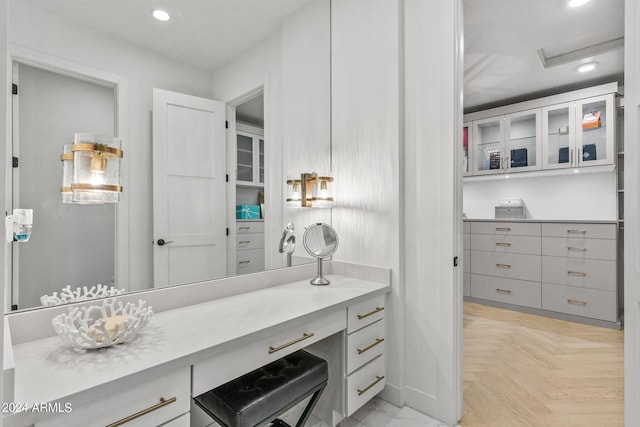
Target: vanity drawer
[[579, 247], [364, 313], [586, 302], [129, 401], [182, 421], [246, 227], [584, 273], [244, 355], [506, 228], [577, 230], [249, 261], [365, 344], [249, 241], [506, 244], [365, 383], [513, 266], [510, 291]]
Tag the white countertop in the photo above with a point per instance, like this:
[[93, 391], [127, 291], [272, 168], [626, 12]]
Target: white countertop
[[563, 221], [46, 370]]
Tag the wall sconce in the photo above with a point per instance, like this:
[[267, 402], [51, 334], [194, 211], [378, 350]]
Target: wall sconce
[[310, 190], [91, 169]]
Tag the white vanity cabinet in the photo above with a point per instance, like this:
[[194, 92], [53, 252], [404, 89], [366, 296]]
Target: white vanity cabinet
[[163, 401], [365, 344], [249, 246], [568, 143]]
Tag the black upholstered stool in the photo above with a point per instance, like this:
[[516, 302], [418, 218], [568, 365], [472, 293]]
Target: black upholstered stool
[[262, 395]]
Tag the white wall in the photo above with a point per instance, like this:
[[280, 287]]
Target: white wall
[[575, 196], [631, 232], [143, 70]]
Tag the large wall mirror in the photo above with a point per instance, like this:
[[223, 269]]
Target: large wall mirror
[[267, 63]]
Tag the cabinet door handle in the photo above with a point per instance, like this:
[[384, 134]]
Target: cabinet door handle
[[244, 228], [503, 228], [244, 262], [576, 249], [503, 291], [503, 244], [125, 420], [576, 302], [362, 316], [577, 231], [242, 242], [576, 273], [364, 390], [369, 347], [503, 265], [290, 343]]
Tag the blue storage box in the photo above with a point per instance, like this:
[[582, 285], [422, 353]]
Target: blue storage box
[[247, 212]]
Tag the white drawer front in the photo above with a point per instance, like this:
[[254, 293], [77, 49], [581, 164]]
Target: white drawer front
[[249, 261], [506, 228], [589, 231], [242, 356], [129, 401], [245, 227], [466, 227], [513, 266], [506, 244], [365, 383], [466, 284], [365, 313], [249, 241], [579, 248], [466, 262], [585, 302], [518, 292], [589, 273], [183, 421], [365, 344]]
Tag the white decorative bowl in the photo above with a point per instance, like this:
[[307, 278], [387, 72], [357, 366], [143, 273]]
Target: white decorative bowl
[[80, 294], [102, 326]]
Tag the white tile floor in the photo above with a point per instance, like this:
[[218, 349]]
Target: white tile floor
[[378, 413]]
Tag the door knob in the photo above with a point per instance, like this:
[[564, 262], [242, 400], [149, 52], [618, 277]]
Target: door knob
[[162, 242]]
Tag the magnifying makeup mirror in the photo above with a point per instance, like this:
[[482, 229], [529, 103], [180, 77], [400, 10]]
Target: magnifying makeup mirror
[[321, 241]]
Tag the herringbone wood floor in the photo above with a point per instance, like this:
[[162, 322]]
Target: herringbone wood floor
[[527, 370]]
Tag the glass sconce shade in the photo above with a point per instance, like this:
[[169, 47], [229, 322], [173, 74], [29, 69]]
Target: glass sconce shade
[[294, 193], [91, 169], [322, 192]]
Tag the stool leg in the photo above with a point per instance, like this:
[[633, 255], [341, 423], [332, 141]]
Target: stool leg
[[307, 411]]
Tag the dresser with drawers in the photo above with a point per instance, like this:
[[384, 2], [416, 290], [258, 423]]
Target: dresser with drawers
[[560, 268], [249, 246]]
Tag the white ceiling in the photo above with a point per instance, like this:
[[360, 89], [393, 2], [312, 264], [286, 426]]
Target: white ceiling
[[502, 38], [203, 33]]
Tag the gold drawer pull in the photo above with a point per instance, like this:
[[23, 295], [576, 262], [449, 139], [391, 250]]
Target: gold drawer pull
[[576, 302], [362, 316], [503, 291], [576, 248], [162, 404], [364, 390], [503, 244], [503, 265], [503, 228], [577, 231], [369, 347], [302, 338], [577, 273]]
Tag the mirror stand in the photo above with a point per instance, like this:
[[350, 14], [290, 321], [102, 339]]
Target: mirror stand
[[320, 280], [321, 241]]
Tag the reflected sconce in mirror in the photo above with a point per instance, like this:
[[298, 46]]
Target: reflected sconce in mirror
[[91, 169], [310, 191]]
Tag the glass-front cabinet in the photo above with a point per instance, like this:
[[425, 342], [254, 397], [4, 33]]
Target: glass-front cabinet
[[579, 134], [488, 143], [523, 142], [249, 158], [467, 162]]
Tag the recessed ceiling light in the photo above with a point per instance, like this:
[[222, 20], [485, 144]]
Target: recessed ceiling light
[[589, 66], [161, 15], [577, 3]]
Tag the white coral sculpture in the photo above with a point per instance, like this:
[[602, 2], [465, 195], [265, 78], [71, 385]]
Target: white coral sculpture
[[102, 326], [80, 294]]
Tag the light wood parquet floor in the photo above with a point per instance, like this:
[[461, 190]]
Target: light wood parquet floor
[[527, 370]]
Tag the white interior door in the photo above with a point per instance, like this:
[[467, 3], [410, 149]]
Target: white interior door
[[189, 189]]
